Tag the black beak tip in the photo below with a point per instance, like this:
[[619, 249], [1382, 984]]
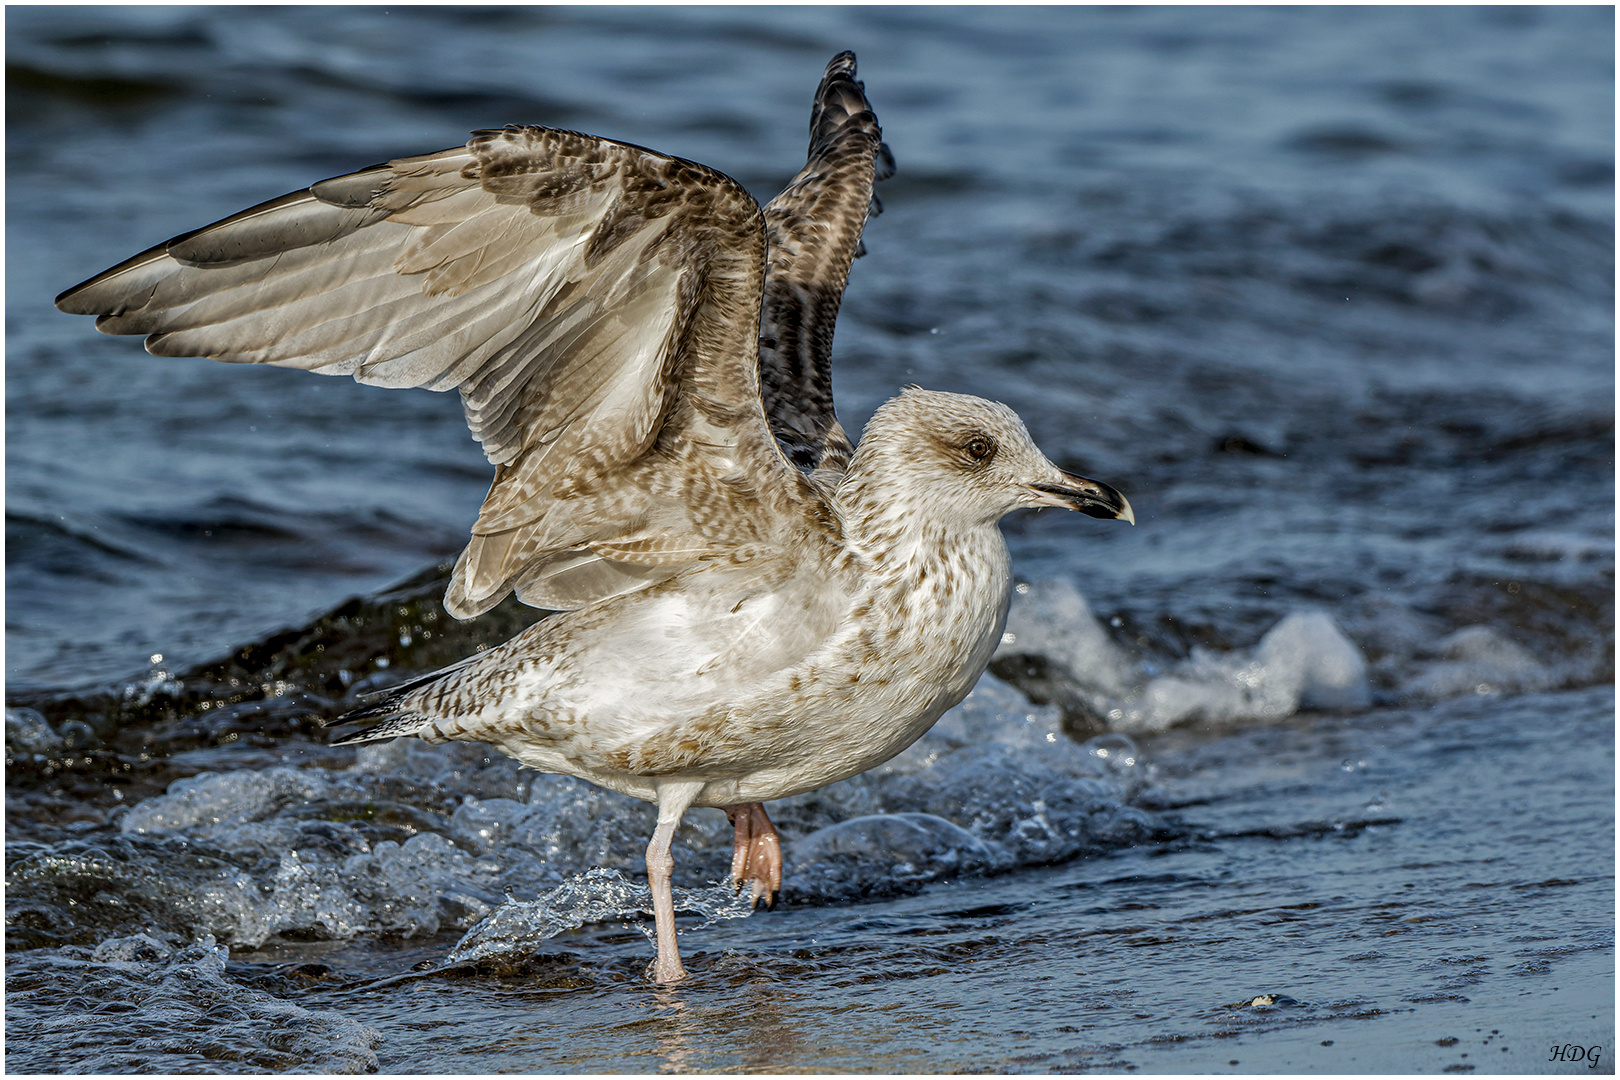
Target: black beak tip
[[1090, 497], [1097, 510]]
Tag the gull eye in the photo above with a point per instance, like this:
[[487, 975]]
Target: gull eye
[[980, 448]]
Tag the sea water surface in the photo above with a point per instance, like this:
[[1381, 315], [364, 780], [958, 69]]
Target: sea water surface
[[1310, 771]]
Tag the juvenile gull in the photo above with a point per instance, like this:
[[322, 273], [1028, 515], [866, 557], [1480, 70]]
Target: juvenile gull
[[750, 606]]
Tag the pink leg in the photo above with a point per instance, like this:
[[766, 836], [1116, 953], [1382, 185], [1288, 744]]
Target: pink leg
[[673, 799], [756, 852]]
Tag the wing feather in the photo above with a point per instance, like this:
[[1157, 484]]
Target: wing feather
[[595, 303], [813, 231]]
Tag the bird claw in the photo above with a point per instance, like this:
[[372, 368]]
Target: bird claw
[[757, 890], [756, 858]]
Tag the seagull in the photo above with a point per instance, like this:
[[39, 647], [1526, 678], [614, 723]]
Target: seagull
[[749, 605]]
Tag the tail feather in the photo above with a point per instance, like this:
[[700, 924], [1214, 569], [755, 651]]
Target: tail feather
[[391, 727], [388, 715]]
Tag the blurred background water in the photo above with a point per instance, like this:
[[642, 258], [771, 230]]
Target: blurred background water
[[1311, 770]]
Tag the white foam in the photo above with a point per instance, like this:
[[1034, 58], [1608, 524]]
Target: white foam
[[1310, 655], [1477, 660], [1304, 662]]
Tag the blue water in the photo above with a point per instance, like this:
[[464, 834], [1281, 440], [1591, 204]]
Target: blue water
[[1327, 292]]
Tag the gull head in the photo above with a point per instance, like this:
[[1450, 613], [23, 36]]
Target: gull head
[[968, 460]]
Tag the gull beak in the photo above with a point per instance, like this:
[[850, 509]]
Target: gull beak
[[1091, 497]]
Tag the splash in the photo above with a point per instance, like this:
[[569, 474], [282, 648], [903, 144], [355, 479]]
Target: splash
[[516, 929], [417, 840], [138, 1004], [1304, 662]]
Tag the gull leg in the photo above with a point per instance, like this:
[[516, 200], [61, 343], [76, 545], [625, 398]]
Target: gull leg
[[673, 799], [756, 851]]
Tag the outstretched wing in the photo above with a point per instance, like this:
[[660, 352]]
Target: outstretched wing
[[596, 304], [813, 233]]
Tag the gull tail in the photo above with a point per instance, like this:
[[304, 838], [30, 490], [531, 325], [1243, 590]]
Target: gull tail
[[389, 714], [390, 727]]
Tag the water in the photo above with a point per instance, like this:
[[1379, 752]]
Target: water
[[1326, 292]]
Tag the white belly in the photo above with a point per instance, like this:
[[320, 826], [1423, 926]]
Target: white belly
[[857, 709]]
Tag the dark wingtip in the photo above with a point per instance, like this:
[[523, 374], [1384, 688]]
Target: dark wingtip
[[842, 64], [840, 105]]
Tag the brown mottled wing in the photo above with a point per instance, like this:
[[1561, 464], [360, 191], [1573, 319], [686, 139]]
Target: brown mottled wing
[[813, 233], [595, 303]]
